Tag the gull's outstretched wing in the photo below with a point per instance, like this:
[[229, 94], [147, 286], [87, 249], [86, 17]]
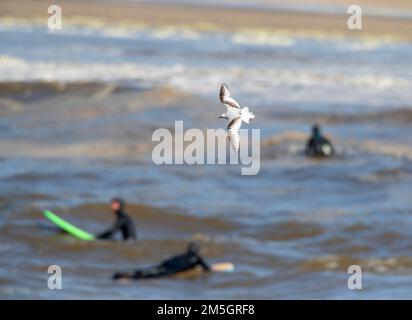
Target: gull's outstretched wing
[[226, 99], [233, 133]]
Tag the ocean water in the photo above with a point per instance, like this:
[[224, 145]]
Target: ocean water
[[78, 109]]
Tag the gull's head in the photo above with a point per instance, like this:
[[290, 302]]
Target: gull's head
[[245, 111], [246, 114]]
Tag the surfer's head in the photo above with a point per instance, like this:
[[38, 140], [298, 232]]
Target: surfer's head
[[193, 248], [316, 130], [117, 204]]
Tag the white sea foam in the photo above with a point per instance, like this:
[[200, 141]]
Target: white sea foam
[[263, 38], [182, 76], [306, 70], [7, 62]]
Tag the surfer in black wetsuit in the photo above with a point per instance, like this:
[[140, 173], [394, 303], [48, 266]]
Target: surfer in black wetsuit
[[184, 262], [318, 145], [123, 223]]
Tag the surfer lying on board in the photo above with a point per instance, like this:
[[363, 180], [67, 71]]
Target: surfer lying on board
[[180, 263], [318, 145], [122, 224]]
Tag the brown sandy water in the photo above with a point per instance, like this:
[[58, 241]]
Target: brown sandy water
[[291, 231], [77, 114]]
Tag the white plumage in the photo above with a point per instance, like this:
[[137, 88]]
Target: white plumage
[[233, 133], [235, 115]]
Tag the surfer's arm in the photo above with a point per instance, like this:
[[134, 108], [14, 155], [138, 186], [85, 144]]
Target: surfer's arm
[[107, 234], [309, 146], [110, 232], [203, 264], [124, 275]]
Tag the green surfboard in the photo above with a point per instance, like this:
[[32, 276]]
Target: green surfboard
[[68, 227]]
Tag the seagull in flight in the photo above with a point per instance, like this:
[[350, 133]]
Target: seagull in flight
[[235, 115]]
